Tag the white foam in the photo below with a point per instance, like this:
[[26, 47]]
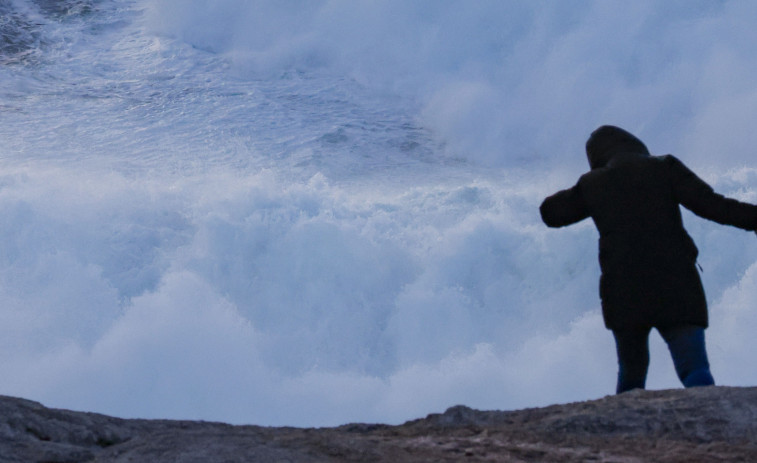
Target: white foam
[[506, 83]]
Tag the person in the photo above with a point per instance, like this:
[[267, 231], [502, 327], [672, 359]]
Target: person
[[648, 262]]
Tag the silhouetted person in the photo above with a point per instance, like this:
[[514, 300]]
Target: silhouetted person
[[648, 261]]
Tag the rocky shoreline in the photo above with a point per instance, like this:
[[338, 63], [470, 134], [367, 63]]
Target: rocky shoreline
[[702, 424]]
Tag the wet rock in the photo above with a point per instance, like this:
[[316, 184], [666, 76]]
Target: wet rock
[[702, 424]]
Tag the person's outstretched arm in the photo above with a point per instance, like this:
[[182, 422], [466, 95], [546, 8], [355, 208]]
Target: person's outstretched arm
[[563, 208], [699, 197]]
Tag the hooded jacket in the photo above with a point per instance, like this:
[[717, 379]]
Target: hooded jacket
[[647, 259]]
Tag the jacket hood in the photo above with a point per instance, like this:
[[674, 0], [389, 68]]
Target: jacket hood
[[609, 140]]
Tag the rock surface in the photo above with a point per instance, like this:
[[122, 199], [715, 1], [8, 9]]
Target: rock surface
[[716, 424]]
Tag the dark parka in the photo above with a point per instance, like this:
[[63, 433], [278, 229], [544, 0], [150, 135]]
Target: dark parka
[[648, 261]]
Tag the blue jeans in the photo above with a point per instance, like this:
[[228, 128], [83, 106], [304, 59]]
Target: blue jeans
[[686, 345]]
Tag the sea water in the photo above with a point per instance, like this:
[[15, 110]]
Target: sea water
[[317, 212]]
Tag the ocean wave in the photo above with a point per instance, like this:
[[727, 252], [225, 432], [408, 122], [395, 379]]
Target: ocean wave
[[316, 212], [24, 24]]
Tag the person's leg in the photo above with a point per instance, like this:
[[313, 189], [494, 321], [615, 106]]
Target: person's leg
[[633, 358], [686, 345]]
